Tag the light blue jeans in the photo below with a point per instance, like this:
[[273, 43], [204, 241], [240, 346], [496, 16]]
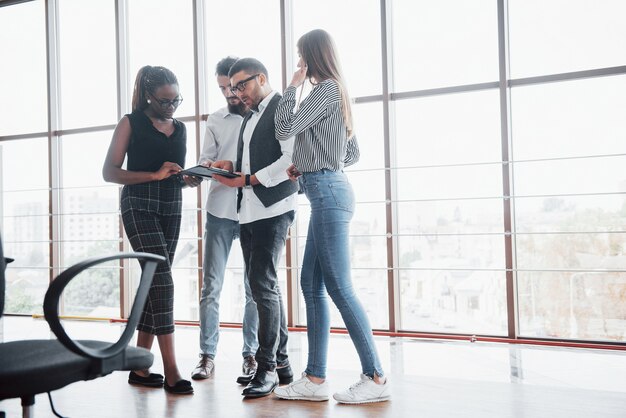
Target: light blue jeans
[[326, 269], [219, 235]]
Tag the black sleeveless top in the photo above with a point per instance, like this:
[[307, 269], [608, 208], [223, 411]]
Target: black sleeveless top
[[147, 151], [149, 148]]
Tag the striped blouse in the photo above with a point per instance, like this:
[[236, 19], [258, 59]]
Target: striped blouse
[[321, 134]]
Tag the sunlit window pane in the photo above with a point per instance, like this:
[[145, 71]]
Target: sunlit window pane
[[448, 129], [450, 217], [89, 225], [26, 286], [225, 36], [368, 185], [586, 251], [444, 43], [23, 82], [557, 36], [573, 305], [83, 156], [586, 213], [368, 128], [25, 223], [577, 176], [190, 194], [185, 276], [358, 45], [94, 293], [161, 34], [12, 163], [450, 182], [369, 219], [566, 119], [449, 301], [452, 251], [88, 75]]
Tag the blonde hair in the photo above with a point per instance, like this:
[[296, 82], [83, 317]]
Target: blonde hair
[[318, 50]]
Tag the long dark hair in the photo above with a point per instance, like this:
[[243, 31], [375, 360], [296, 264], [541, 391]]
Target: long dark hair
[[318, 50], [149, 79]]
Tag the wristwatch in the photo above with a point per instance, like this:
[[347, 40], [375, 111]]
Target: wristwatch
[[248, 185]]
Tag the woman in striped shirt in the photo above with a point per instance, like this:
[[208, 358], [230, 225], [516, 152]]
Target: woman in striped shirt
[[325, 144]]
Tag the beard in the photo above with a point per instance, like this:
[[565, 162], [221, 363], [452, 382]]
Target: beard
[[240, 108]]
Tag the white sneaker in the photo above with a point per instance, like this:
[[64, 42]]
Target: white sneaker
[[303, 389], [365, 391]]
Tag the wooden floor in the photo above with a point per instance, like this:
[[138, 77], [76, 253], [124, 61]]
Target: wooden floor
[[429, 379]]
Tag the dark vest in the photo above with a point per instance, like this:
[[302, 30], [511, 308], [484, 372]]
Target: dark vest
[[264, 150]]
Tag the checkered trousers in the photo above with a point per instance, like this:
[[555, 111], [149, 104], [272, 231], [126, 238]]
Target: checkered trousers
[[151, 213]]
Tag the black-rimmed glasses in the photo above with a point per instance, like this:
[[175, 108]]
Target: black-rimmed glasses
[[167, 103], [241, 86]]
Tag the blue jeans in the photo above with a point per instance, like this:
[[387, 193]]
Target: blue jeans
[[262, 244], [326, 268], [218, 239]]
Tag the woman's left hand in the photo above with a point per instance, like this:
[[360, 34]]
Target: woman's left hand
[[192, 181], [299, 76]]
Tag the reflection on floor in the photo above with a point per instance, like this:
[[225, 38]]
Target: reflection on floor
[[430, 379]]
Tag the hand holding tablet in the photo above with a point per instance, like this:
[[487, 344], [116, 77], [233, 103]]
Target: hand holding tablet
[[207, 172]]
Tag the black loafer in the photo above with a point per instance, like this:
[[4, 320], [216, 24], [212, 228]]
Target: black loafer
[[153, 380], [182, 387], [285, 376], [263, 383], [244, 379]]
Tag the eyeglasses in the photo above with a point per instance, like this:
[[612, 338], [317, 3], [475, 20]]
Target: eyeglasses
[[167, 103], [241, 86]]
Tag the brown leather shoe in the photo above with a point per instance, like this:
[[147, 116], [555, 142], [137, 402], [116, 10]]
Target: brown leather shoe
[[204, 369], [248, 369], [249, 365]]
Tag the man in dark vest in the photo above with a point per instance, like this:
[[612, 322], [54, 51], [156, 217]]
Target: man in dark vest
[[266, 202]]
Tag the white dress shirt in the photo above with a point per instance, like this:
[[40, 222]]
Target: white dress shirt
[[220, 143], [252, 209]]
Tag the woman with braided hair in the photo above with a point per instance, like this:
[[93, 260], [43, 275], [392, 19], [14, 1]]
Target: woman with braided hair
[[151, 203]]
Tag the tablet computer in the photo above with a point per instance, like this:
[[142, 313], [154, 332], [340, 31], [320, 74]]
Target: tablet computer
[[202, 171]]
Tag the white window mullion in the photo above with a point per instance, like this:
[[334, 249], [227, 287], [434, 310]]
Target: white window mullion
[[54, 125]]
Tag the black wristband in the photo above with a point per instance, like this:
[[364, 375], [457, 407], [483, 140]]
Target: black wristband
[[248, 180]]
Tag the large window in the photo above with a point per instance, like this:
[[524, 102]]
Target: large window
[[89, 224], [449, 211], [443, 43], [490, 198], [23, 69], [25, 214], [570, 210], [87, 63], [359, 43], [161, 34], [559, 36]]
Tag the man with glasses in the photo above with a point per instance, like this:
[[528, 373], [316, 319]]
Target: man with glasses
[[266, 201], [222, 228]]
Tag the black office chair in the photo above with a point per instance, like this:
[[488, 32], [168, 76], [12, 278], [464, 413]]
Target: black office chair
[[31, 367]]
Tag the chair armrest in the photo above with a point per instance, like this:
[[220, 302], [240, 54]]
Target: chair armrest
[[55, 290]]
